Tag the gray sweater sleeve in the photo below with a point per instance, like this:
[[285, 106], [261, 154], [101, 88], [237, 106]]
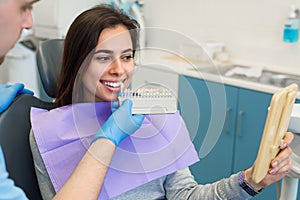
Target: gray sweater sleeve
[[181, 185], [46, 187]]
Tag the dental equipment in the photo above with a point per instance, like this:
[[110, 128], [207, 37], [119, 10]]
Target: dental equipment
[[150, 100]]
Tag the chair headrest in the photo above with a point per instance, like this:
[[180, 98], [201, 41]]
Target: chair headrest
[[49, 58]]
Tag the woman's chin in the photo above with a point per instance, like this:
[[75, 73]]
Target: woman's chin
[[107, 98]]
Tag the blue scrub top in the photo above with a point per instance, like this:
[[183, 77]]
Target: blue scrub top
[[8, 190]]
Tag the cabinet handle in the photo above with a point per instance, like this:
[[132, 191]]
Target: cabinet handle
[[239, 124], [227, 130]]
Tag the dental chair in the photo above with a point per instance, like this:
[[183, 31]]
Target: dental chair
[[15, 121], [48, 58], [289, 185]]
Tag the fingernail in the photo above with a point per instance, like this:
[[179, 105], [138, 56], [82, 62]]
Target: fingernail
[[283, 145], [274, 164], [272, 171]]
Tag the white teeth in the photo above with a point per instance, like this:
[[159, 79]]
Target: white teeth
[[113, 84]]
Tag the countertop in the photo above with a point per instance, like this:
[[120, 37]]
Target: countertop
[[172, 63]]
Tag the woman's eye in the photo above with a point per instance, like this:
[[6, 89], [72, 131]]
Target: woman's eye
[[103, 58], [27, 7], [127, 57]]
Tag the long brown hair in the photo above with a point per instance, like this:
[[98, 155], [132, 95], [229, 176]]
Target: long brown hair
[[81, 40]]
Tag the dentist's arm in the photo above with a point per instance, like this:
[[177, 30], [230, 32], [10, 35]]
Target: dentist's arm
[[87, 179], [8, 190]]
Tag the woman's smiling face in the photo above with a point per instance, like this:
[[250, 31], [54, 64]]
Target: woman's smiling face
[[111, 66]]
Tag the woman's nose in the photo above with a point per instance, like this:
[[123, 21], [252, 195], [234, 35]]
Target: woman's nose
[[27, 20], [117, 67]]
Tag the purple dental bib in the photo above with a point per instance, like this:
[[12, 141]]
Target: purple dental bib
[[160, 147]]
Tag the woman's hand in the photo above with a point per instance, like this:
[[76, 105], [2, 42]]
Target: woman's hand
[[279, 166]]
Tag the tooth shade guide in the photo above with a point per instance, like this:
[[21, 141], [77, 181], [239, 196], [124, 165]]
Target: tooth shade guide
[[150, 100], [155, 93]]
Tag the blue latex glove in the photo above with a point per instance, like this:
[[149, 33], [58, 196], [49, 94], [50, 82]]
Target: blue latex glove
[[9, 92], [8, 190], [120, 124]]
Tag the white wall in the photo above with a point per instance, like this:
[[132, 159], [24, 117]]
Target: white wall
[[20, 67], [53, 17], [251, 29]]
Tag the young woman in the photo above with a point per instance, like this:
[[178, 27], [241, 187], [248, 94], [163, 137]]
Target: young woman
[[112, 38]]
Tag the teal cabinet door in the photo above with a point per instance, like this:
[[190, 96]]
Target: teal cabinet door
[[251, 116], [207, 108], [252, 112]]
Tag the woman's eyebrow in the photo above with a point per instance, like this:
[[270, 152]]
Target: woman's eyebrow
[[34, 1], [110, 51], [104, 51], [127, 50]]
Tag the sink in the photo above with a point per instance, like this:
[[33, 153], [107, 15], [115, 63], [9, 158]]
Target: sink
[[267, 77], [279, 79]]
